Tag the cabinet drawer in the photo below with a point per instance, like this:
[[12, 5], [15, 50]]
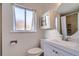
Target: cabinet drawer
[[58, 52]]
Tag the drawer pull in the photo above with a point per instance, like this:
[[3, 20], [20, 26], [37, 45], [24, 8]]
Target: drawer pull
[[53, 50], [56, 52]]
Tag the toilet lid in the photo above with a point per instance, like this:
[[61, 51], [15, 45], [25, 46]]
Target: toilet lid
[[35, 51]]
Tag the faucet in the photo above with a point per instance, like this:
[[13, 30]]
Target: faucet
[[66, 38]]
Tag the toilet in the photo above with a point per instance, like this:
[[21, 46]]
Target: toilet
[[36, 51]]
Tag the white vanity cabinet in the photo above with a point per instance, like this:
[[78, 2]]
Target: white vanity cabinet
[[54, 51]]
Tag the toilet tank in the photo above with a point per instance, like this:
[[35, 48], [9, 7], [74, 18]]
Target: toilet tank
[[42, 43]]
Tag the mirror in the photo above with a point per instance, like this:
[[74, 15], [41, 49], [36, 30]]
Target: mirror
[[71, 24], [69, 19]]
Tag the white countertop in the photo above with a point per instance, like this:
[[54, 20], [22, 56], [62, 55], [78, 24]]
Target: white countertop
[[68, 46]]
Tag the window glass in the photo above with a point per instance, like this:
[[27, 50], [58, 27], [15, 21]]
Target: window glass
[[29, 19], [20, 18]]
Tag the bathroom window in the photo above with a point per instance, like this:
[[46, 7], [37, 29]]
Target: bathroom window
[[24, 19]]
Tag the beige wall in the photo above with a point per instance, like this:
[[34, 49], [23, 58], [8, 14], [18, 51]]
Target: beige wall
[[25, 40], [54, 15], [58, 22], [0, 28]]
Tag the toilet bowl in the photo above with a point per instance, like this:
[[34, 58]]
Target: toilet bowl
[[36, 51]]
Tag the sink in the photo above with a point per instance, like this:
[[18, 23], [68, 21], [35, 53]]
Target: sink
[[68, 44]]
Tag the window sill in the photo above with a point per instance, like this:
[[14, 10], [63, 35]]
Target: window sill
[[20, 31]]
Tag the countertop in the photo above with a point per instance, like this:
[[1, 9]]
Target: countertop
[[68, 46]]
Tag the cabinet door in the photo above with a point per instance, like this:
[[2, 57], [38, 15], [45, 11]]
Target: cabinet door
[[60, 52], [47, 50]]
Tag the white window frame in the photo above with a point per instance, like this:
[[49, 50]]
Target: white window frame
[[14, 20]]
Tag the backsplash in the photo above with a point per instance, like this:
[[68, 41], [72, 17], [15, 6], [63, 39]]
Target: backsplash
[[51, 34], [75, 37]]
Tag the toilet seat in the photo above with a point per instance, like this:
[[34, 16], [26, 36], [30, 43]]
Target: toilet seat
[[35, 51]]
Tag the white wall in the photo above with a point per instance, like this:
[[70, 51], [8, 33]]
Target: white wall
[[0, 28], [78, 21], [25, 40]]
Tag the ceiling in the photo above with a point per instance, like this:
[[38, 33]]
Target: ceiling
[[68, 8], [43, 7], [41, 4], [62, 8]]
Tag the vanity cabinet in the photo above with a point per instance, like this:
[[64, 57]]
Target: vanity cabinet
[[54, 51]]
